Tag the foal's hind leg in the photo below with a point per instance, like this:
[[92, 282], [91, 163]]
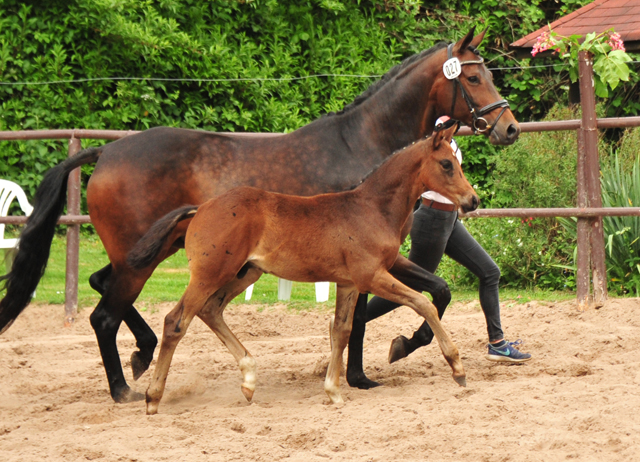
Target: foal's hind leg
[[386, 286], [346, 297], [175, 326], [211, 314], [146, 339]]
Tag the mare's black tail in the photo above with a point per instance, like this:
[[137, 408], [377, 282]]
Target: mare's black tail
[[153, 242], [35, 240]]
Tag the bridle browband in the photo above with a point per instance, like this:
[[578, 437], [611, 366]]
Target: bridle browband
[[480, 124]]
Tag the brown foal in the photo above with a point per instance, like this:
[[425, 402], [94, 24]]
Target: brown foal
[[351, 238]]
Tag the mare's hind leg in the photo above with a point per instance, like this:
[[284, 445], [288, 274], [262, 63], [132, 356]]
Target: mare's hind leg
[[386, 286], [355, 372], [346, 297], [146, 339], [121, 289], [211, 314]]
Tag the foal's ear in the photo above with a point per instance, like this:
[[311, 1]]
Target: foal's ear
[[444, 135]]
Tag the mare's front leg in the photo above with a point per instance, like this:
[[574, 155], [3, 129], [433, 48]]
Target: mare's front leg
[[386, 286], [346, 297], [211, 314]]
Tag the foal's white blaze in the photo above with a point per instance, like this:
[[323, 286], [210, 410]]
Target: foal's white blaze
[[248, 368]]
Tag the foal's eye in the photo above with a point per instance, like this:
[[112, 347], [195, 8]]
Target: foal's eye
[[446, 164], [474, 79]]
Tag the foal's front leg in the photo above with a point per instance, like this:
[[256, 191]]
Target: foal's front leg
[[386, 286], [346, 297]]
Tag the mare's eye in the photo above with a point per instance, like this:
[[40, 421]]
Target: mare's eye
[[474, 79], [446, 164]]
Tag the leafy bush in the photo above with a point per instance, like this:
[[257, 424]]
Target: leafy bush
[[620, 182], [527, 252], [190, 40], [537, 171], [621, 188]]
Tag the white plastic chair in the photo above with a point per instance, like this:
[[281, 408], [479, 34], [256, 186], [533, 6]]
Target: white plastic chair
[[284, 291], [8, 192]]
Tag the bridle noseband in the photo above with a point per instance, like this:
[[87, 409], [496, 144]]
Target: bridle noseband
[[480, 124]]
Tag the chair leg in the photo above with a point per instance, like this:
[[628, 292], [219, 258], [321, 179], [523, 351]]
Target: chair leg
[[322, 291], [284, 289], [248, 292]]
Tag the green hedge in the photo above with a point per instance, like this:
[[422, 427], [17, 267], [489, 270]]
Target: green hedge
[[58, 41]]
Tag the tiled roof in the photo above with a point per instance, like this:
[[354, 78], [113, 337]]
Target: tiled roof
[[599, 16]]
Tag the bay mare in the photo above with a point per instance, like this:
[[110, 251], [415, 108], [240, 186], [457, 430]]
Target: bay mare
[[351, 238], [140, 178]]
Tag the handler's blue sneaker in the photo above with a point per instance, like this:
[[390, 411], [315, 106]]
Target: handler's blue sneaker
[[507, 352]]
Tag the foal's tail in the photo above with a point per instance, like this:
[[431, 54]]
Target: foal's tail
[[35, 240], [153, 242]]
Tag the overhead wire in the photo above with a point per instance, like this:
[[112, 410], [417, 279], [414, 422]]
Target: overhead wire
[[250, 79]]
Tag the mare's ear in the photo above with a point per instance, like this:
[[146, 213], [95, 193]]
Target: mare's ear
[[478, 38], [465, 41]]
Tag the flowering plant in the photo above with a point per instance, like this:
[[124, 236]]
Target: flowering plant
[[609, 56]]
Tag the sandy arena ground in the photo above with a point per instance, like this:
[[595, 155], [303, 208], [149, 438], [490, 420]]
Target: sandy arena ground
[[578, 399]]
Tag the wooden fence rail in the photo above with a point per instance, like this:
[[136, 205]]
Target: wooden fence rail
[[586, 215]]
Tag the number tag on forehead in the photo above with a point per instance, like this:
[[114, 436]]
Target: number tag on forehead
[[452, 68]]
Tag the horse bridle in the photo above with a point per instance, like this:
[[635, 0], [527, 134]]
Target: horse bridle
[[480, 124]]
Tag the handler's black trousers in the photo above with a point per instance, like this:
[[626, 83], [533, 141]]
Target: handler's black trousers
[[434, 233]]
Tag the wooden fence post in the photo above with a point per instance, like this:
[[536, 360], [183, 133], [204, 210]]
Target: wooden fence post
[[591, 176], [582, 259], [73, 240]]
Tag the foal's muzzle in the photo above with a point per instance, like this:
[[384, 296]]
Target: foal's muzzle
[[471, 204]]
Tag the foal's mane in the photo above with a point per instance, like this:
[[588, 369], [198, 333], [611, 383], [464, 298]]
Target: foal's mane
[[384, 161], [394, 71]]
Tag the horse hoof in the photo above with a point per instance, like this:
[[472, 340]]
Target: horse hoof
[[361, 381], [397, 350], [248, 394], [138, 366], [336, 398], [152, 408], [461, 380]]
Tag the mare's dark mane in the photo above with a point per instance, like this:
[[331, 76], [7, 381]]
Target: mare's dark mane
[[376, 86]]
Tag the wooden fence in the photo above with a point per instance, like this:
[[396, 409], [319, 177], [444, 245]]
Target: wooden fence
[[589, 211]]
